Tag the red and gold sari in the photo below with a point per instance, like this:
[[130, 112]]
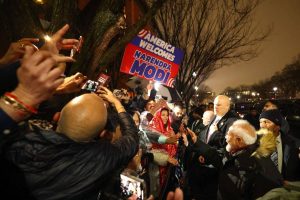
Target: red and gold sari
[[165, 129]]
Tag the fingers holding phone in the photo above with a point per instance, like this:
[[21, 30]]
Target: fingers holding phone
[[108, 96], [72, 84], [133, 187], [74, 45]]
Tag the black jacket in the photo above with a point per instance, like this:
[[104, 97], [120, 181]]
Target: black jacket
[[290, 161], [241, 176], [217, 139], [56, 167]]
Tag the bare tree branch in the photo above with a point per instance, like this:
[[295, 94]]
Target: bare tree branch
[[211, 33]]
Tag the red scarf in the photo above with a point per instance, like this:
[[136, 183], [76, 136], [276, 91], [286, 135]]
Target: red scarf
[[158, 125]]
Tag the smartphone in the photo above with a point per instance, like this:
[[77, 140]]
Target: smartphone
[[74, 51], [119, 93], [103, 80], [132, 185], [90, 86]]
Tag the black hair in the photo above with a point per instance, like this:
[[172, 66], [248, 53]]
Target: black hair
[[198, 111], [164, 108], [273, 102]]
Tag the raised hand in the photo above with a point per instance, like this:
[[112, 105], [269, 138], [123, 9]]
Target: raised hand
[[71, 84], [56, 42], [38, 77], [16, 50], [107, 95], [192, 134], [185, 140]]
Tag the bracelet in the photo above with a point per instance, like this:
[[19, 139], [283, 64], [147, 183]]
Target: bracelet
[[13, 100], [18, 109]]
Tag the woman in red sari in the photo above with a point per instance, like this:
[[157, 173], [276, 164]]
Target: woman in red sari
[[161, 123]]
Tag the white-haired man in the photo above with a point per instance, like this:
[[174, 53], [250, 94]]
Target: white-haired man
[[241, 175], [203, 178]]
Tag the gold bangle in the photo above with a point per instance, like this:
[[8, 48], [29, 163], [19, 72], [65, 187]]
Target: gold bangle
[[16, 99], [15, 104]]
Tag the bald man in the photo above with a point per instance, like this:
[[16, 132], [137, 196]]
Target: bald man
[[240, 175], [202, 177], [218, 127], [78, 119], [71, 163]]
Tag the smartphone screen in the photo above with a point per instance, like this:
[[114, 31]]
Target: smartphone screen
[[132, 185], [90, 85]]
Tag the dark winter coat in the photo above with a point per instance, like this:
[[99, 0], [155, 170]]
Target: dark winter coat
[[56, 167], [241, 176], [217, 139], [290, 161]]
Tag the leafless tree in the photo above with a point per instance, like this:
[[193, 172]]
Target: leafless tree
[[211, 33]]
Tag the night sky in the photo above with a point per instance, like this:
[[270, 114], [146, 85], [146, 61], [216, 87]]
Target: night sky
[[279, 49]]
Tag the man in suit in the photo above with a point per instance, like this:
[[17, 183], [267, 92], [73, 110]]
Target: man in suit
[[224, 118], [203, 177], [244, 170], [285, 157]]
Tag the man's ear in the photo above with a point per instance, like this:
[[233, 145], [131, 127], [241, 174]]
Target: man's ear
[[240, 142], [56, 117]]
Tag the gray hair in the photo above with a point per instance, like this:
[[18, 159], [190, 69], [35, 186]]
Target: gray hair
[[244, 130]]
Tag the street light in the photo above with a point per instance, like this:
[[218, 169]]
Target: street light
[[275, 90]]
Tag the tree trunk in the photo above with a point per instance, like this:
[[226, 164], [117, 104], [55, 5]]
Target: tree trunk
[[97, 38], [120, 44], [19, 19], [64, 12]]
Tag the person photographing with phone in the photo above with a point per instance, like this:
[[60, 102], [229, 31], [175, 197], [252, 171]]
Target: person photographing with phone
[[73, 164]]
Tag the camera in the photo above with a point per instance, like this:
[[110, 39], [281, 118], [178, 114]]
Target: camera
[[132, 185]]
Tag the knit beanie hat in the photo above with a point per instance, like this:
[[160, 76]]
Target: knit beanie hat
[[272, 115]]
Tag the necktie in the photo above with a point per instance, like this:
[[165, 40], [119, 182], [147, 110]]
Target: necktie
[[211, 129], [274, 158]]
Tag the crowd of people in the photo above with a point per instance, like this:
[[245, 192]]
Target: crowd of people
[[60, 142]]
